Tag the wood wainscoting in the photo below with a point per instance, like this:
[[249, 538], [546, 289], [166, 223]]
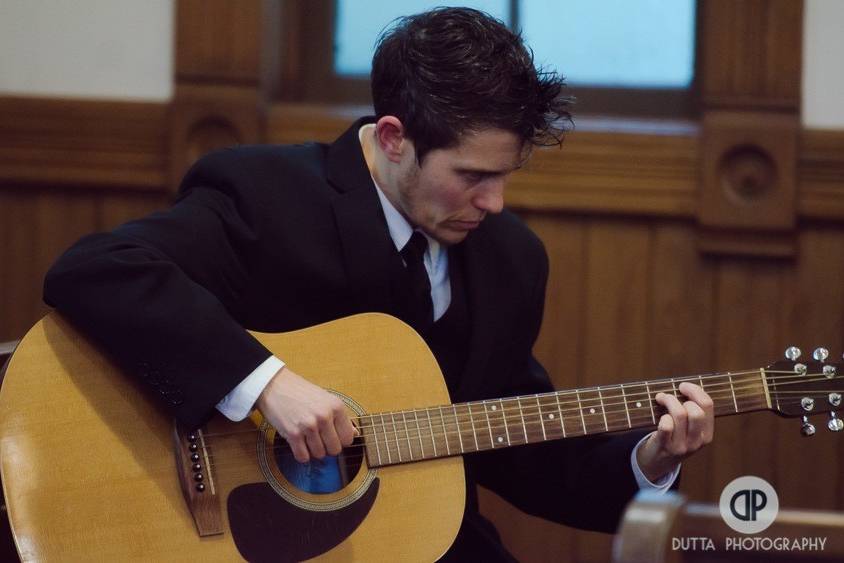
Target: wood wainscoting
[[69, 168], [631, 295]]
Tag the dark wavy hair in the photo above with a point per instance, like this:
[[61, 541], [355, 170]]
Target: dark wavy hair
[[453, 70]]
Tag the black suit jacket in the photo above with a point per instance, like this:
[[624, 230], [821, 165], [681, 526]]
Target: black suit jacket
[[276, 238]]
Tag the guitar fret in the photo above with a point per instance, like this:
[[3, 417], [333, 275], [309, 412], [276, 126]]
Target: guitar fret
[[407, 435], [375, 439], [603, 410], [700, 378], [541, 418], [560, 412], [580, 410], [431, 428], [396, 435], [504, 418], [489, 426], [445, 431], [650, 403], [626, 406], [386, 438], [419, 435], [674, 386], [733, 389], [472, 422], [522, 418], [457, 424]]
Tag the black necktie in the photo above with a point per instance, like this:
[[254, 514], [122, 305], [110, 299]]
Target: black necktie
[[420, 308]]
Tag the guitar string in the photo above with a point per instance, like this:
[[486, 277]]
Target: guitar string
[[410, 446], [555, 396], [410, 450], [404, 432], [412, 435]]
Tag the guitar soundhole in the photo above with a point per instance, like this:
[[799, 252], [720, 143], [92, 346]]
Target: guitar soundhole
[[319, 476]]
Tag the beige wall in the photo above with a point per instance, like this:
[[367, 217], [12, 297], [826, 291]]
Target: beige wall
[[61, 48], [116, 49], [823, 79]]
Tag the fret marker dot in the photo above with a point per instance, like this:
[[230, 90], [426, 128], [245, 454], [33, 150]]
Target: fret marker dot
[[592, 411], [500, 440], [494, 408], [550, 417], [638, 404]]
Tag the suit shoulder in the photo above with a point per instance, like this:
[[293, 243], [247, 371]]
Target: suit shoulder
[[256, 161], [512, 237]]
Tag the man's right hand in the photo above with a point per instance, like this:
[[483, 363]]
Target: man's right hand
[[313, 421]]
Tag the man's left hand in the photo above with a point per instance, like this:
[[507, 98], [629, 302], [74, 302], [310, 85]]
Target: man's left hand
[[683, 430]]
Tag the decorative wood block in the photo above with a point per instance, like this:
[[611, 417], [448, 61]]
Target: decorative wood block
[[203, 119], [748, 187]]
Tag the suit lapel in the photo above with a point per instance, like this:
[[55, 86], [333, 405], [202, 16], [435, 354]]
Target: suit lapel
[[373, 266]]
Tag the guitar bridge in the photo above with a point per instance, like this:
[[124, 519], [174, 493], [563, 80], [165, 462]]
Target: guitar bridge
[[197, 482]]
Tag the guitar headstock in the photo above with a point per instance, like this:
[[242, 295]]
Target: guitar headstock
[[806, 387]]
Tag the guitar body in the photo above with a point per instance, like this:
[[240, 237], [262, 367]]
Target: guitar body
[[89, 469]]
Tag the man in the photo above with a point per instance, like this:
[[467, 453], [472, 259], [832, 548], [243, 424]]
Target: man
[[280, 238]]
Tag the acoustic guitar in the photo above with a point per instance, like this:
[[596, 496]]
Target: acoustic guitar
[[93, 470]]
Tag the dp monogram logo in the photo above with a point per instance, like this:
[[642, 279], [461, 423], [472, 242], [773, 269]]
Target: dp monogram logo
[[749, 504]]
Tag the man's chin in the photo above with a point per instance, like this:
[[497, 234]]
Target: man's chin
[[450, 237]]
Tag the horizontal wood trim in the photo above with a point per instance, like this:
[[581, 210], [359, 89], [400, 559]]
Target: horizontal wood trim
[[624, 166], [610, 165], [644, 172], [89, 143], [820, 170]]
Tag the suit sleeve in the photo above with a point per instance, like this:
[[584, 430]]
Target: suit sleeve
[[159, 294], [581, 482]]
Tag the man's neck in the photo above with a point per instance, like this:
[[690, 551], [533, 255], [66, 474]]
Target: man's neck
[[376, 163]]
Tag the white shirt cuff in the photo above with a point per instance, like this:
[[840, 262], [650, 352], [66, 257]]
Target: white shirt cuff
[[660, 486], [239, 402]]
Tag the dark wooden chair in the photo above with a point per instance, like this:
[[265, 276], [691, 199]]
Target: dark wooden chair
[[7, 544], [653, 527]]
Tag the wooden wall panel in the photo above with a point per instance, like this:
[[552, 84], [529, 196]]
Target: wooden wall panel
[[629, 295], [36, 225]]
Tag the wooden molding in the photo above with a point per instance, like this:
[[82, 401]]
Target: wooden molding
[[606, 166], [618, 166], [752, 53], [102, 144], [225, 42], [821, 173], [228, 60], [750, 73]]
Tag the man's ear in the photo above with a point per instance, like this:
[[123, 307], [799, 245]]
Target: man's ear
[[390, 134]]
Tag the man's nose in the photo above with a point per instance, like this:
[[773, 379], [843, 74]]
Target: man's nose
[[491, 197]]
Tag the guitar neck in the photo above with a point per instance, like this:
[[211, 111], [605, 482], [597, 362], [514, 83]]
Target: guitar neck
[[434, 432]]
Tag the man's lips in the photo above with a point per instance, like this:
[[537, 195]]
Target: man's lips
[[465, 225]]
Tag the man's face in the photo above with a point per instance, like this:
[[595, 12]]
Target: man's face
[[454, 189]]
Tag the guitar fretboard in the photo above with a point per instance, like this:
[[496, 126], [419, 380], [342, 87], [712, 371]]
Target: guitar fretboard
[[441, 431]]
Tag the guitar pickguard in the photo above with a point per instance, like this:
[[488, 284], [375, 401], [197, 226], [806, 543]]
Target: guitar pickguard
[[265, 527]]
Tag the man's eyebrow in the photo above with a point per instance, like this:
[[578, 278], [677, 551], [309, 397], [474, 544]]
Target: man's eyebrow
[[486, 171]]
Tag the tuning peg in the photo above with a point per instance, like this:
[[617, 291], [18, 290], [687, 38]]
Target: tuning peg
[[792, 353], [820, 354], [808, 428], [835, 424]]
